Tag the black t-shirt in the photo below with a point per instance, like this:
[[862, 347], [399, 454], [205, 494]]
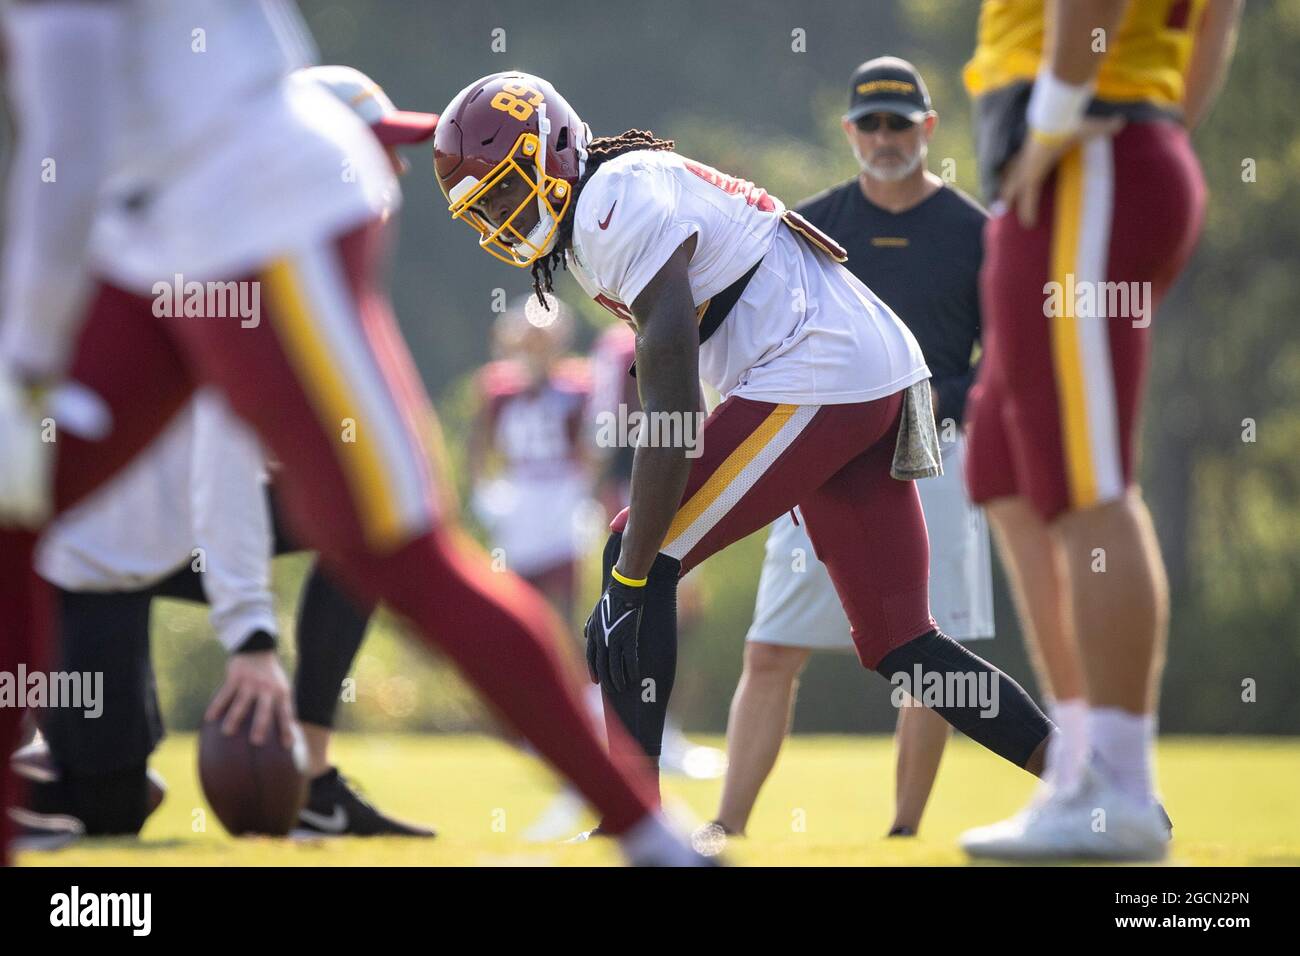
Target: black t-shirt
[[924, 263]]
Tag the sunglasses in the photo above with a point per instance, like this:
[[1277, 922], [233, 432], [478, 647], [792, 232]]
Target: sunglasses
[[871, 122]]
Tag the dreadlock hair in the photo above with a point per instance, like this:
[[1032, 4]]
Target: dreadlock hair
[[599, 150]]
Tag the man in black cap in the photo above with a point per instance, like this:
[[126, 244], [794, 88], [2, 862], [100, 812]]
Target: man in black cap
[[916, 243]]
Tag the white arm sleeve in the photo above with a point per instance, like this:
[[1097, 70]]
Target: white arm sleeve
[[60, 62], [231, 522]]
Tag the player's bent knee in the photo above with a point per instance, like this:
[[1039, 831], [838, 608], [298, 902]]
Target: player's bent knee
[[774, 662]]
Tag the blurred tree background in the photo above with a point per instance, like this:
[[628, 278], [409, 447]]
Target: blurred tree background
[[757, 88]]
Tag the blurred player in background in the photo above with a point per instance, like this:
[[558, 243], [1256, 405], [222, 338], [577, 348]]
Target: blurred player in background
[[1100, 193], [530, 460], [269, 193], [721, 282], [916, 243]]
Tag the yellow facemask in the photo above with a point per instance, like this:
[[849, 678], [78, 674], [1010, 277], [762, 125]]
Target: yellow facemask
[[551, 194]]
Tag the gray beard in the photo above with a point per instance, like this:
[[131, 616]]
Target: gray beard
[[893, 173]]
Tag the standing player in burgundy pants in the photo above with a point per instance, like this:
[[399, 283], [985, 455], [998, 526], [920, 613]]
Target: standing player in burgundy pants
[[239, 187], [1102, 201]]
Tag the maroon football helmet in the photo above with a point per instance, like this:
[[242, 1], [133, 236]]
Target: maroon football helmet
[[504, 125]]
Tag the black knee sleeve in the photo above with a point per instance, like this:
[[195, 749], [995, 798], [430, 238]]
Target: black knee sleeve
[[331, 626], [643, 707], [970, 693]]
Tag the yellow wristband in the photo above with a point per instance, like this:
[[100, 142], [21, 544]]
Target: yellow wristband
[[630, 582]]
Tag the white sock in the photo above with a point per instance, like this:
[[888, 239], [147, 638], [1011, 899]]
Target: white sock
[[1068, 749], [651, 842], [1124, 743]]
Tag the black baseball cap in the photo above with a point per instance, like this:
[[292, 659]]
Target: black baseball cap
[[887, 84]]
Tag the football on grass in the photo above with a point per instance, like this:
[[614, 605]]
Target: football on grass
[[252, 789]]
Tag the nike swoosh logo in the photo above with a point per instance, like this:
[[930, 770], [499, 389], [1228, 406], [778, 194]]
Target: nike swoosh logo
[[336, 822], [604, 618], [608, 216]]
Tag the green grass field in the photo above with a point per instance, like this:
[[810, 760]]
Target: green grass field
[[1233, 802]]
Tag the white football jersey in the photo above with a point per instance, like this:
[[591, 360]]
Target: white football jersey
[[217, 132], [805, 331], [178, 131], [532, 510]]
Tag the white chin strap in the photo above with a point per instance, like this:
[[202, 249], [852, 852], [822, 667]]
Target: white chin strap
[[544, 219], [540, 230]]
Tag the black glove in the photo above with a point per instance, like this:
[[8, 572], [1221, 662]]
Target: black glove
[[611, 637]]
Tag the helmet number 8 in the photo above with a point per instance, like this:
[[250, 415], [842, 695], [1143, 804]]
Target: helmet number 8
[[511, 100]]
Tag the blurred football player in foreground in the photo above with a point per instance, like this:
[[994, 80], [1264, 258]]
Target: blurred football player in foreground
[[240, 244], [186, 520]]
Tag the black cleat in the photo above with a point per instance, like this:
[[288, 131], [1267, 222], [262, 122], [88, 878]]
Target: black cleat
[[335, 809], [34, 763], [902, 831]]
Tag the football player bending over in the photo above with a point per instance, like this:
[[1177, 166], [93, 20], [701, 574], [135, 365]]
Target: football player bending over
[[825, 394]]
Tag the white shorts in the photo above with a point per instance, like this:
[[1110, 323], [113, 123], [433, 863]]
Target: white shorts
[[797, 605]]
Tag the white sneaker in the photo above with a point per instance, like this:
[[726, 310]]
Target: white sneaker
[[1094, 820], [43, 831]]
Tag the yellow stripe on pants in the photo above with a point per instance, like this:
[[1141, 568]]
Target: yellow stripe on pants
[[727, 472], [1071, 400], [332, 399]]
